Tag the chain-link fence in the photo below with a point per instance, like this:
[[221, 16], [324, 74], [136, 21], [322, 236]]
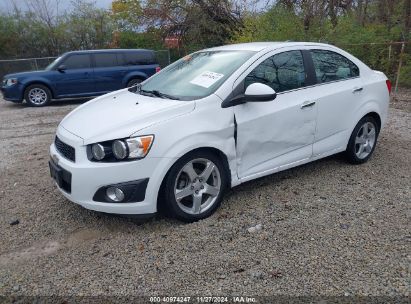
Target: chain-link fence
[[21, 65], [35, 64]]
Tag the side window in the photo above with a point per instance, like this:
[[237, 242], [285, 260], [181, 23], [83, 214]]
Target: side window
[[136, 58], [80, 61], [282, 72], [105, 60], [139, 58], [330, 66]]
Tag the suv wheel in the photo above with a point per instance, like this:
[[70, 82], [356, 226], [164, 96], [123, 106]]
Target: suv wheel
[[195, 186], [37, 95]]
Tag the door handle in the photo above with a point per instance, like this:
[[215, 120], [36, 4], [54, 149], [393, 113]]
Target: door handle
[[357, 89], [307, 104]]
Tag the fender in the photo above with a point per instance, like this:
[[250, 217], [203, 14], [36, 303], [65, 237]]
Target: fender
[[40, 80]]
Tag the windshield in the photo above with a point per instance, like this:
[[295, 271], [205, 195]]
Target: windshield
[[53, 65], [197, 75]]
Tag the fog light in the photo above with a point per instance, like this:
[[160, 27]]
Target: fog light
[[115, 194]]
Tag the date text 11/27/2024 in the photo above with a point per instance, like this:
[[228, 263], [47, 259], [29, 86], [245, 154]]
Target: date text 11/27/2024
[[233, 299]]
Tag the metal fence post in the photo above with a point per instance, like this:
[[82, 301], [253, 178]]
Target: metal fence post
[[399, 68]]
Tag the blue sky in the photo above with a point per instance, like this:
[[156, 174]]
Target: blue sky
[[6, 5]]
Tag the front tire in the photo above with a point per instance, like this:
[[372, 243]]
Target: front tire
[[363, 141], [37, 95], [195, 186]]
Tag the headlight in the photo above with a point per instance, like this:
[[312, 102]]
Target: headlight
[[9, 82], [98, 151], [122, 149]]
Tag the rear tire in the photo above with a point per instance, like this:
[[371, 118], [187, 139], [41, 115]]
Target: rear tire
[[363, 141], [37, 95], [134, 82], [194, 187]]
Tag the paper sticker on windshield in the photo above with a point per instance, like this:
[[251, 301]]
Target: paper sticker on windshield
[[206, 79]]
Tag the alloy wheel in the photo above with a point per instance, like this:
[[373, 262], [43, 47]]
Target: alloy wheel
[[365, 140], [37, 96], [197, 186]]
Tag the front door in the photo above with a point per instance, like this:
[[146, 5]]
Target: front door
[[273, 135], [77, 78]]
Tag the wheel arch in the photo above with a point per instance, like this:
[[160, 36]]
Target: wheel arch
[[213, 150], [373, 114], [44, 83], [135, 75], [377, 118]]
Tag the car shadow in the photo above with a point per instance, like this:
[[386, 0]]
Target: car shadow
[[66, 102], [54, 103]]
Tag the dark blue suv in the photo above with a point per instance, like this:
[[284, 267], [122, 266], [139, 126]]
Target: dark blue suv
[[81, 74]]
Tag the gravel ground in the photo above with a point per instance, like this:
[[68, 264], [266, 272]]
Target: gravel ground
[[328, 228]]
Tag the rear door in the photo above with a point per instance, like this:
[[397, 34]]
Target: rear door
[[339, 93], [77, 78], [109, 72]]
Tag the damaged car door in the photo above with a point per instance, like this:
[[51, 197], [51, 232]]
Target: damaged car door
[[280, 133]]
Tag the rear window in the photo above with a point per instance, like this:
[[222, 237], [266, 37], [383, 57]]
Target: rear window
[[104, 60], [330, 66], [79, 61], [139, 58]]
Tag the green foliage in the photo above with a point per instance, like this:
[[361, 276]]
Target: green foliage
[[405, 73], [363, 31], [150, 39], [278, 24], [369, 41]]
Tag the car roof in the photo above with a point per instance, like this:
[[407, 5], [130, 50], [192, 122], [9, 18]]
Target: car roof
[[259, 46], [109, 50]]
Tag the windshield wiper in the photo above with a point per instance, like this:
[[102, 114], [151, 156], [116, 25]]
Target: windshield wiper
[[157, 93]]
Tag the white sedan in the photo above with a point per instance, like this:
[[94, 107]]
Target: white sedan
[[213, 120]]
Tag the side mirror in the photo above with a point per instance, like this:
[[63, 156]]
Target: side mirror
[[258, 92], [61, 68], [255, 92]]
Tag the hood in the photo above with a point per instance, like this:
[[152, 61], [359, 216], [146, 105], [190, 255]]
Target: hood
[[24, 74], [120, 114]]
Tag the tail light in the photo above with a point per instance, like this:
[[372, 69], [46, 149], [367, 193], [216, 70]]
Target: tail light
[[389, 85], [158, 69]]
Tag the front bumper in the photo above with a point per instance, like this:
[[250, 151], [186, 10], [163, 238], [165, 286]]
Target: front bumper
[[13, 93], [88, 177]]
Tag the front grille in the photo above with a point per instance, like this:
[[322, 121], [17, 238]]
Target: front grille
[[67, 151]]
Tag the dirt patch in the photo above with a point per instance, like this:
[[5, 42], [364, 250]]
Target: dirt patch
[[31, 253]]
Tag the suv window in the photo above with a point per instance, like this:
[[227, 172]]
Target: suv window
[[80, 61], [138, 58], [105, 60], [282, 72], [331, 66]]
